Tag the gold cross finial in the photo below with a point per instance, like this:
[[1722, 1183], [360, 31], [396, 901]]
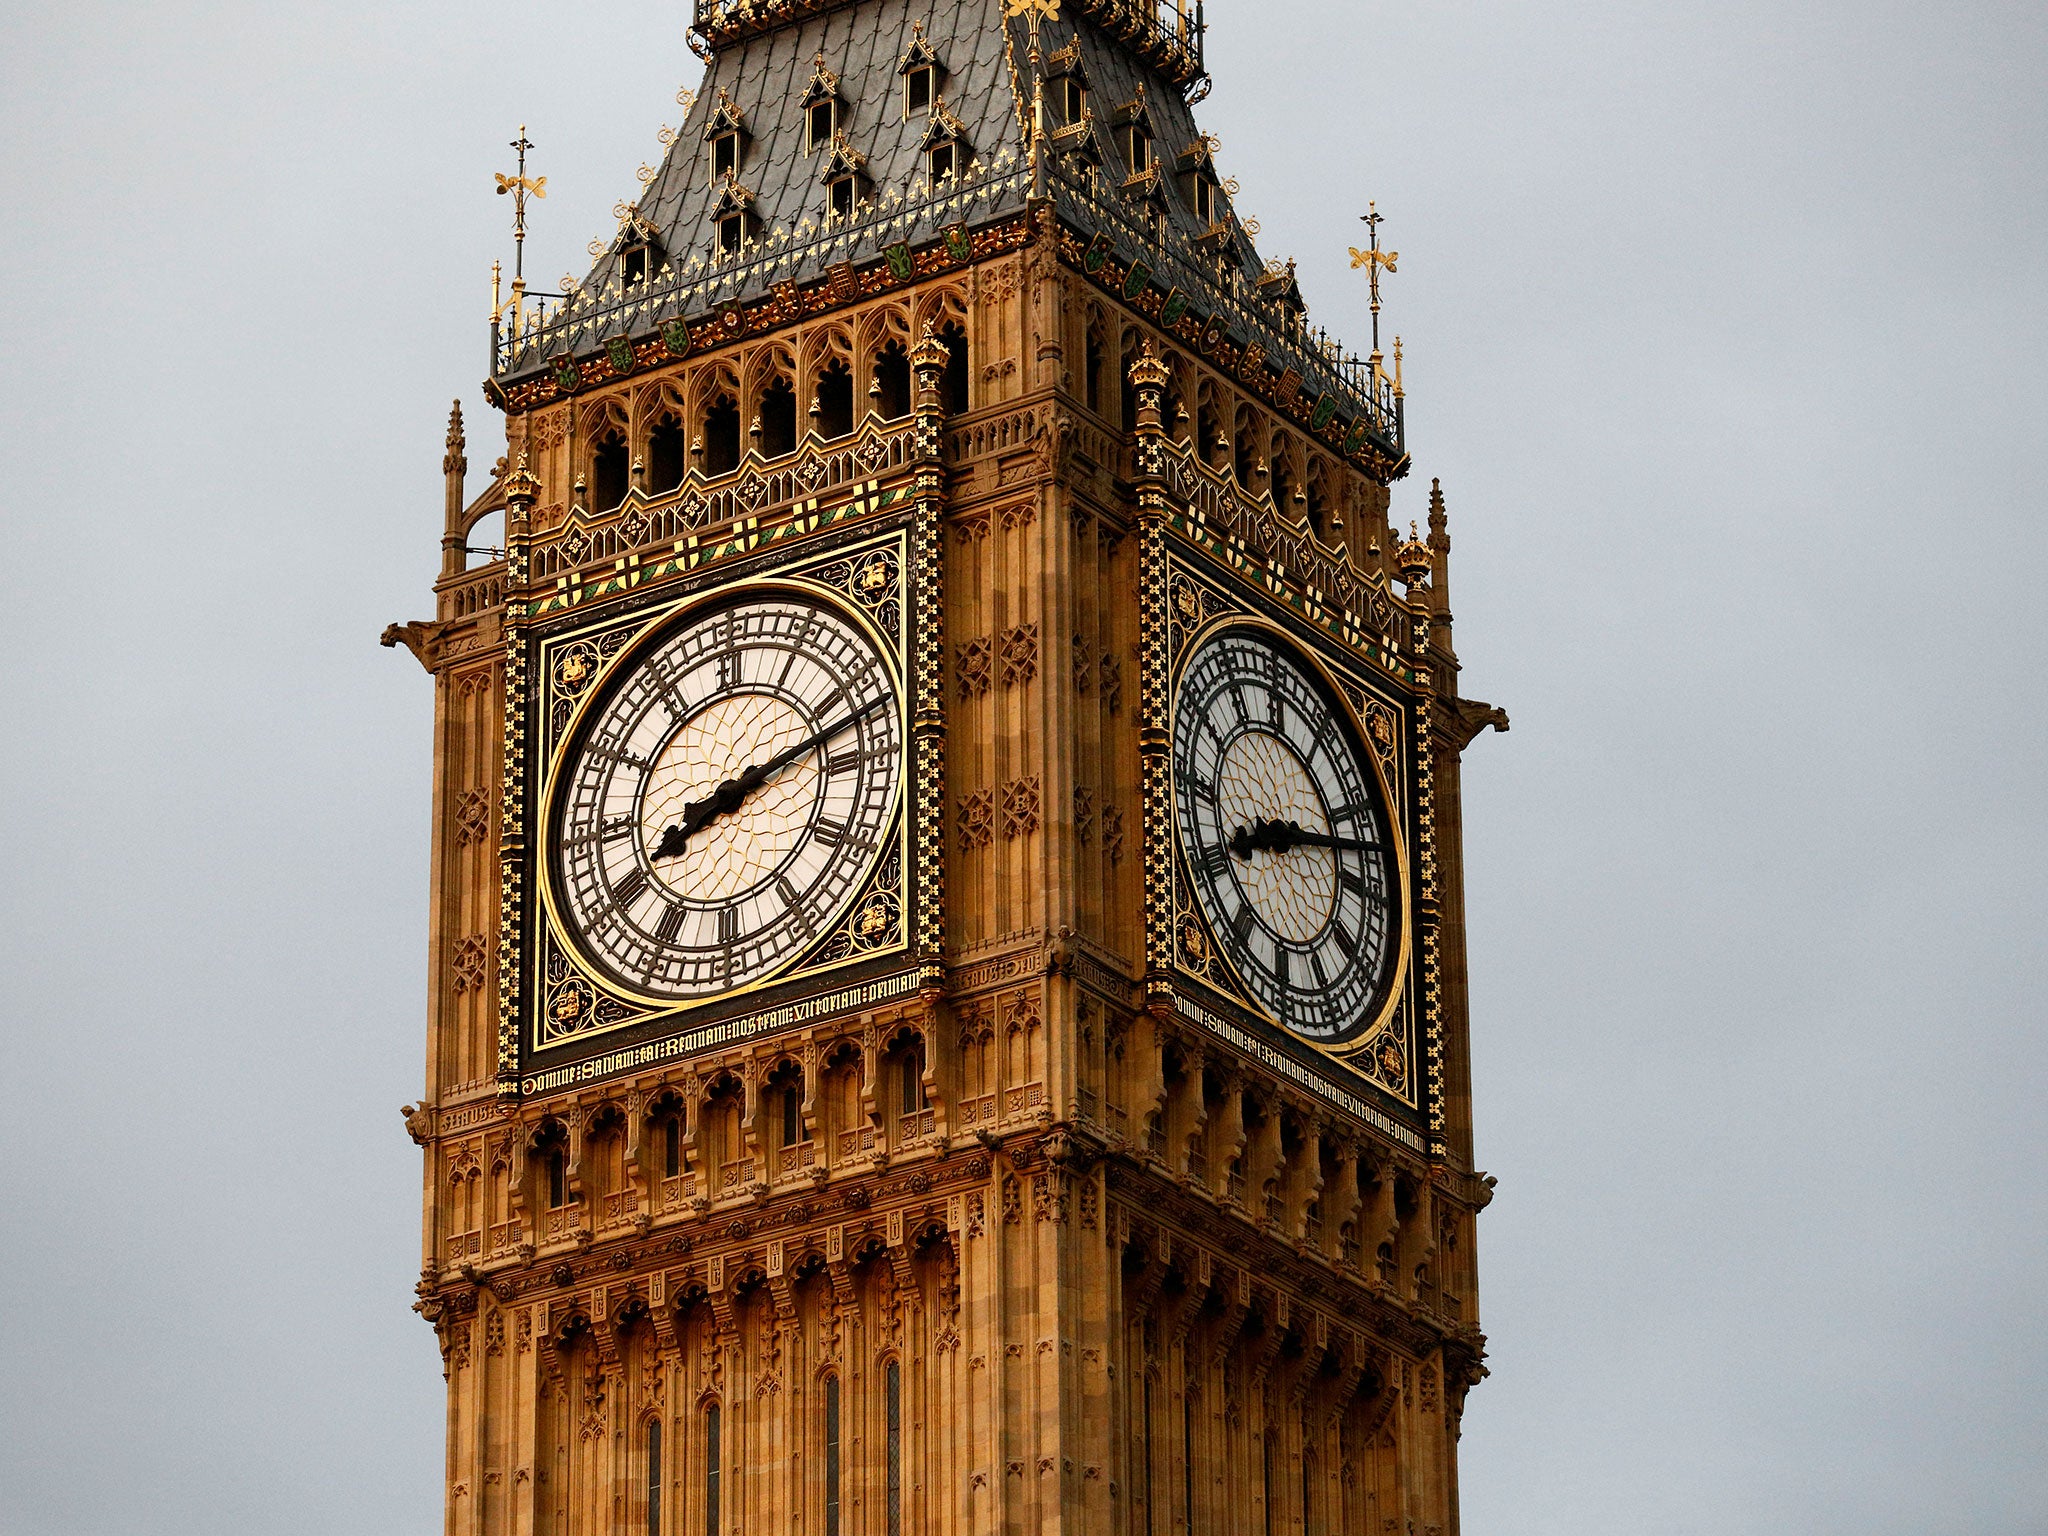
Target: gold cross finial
[[521, 186], [1375, 261]]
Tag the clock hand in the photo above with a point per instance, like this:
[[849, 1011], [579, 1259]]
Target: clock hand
[[1264, 836], [734, 793]]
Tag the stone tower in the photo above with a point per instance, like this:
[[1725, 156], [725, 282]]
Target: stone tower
[[948, 989]]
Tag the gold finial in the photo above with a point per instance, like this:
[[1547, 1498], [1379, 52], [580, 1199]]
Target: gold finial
[[521, 187], [1375, 261], [522, 485], [1414, 558]]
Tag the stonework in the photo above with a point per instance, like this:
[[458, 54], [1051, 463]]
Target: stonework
[[1006, 1208]]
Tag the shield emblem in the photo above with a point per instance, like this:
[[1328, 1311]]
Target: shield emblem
[[1212, 333], [619, 352], [1325, 413], [676, 337], [567, 375], [1136, 279], [898, 257], [1097, 254], [1176, 305], [958, 246]]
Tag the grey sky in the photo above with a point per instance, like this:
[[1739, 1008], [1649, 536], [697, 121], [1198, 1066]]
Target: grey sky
[[1725, 326]]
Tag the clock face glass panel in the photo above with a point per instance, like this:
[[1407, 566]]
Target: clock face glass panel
[[1286, 836], [727, 796]]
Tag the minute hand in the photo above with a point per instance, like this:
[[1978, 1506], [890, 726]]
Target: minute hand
[[733, 793], [1264, 836]]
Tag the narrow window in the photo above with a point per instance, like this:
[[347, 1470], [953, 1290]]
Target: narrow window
[[835, 401], [1266, 1482], [945, 160], [792, 1117], [667, 455], [824, 122], [778, 420], [1307, 1489], [893, 1407], [1092, 367], [1073, 100], [732, 234], [558, 1179], [1205, 201], [843, 195], [722, 436], [913, 1082], [1137, 148], [672, 1147], [892, 382], [654, 1477], [1187, 1454], [608, 474], [831, 1456], [1148, 1454], [712, 1456], [635, 265], [953, 387], [725, 155], [917, 90]]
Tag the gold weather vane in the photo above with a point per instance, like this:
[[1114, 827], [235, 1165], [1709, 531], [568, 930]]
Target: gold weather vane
[[521, 186], [1375, 261]]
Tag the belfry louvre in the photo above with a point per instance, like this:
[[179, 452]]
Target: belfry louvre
[[948, 1004]]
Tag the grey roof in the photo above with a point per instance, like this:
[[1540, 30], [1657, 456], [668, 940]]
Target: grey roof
[[766, 73]]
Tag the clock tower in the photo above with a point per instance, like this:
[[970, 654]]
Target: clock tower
[[948, 999]]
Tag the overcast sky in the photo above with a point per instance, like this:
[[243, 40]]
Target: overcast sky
[[1725, 328]]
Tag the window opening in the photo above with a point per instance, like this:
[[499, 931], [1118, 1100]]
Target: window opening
[[792, 1117], [725, 155], [722, 436], [918, 92], [558, 1179], [893, 1408], [732, 234], [672, 1147], [835, 401], [1187, 1454], [953, 387], [831, 1456], [845, 196], [608, 468], [1092, 367], [1073, 100], [1137, 147], [778, 420], [1148, 1454], [892, 382], [668, 452], [824, 117], [654, 1477], [945, 161], [712, 1458]]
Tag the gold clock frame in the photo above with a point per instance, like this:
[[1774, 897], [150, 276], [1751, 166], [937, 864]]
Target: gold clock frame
[[1241, 620], [665, 1012]]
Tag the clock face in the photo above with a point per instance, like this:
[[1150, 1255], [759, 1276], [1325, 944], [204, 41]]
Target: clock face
[[1286, 836], [726, 796]]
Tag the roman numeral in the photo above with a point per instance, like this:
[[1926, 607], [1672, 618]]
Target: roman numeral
[[845, 762], [1282, 962], [629, 890], [671, 925], [616, 828], [728, 924], [786, 891], [1241, 924], [831, 833], [1215, 862]]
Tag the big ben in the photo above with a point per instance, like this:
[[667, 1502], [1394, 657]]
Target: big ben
[[948, 1004]]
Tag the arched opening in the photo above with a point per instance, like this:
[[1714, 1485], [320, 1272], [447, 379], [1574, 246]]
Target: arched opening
[[654, 1477], [1283, 484], [835, 400], [892, 1420], [1092, 364], [778, 419], [609, 467], [848, 1132], [1246, 464], [831, 1438], [668, 456], [954, 384], [903, 1079], [551, 1146], [1129, 402], [721, 435], [485, 541], [714, 1456], [891, 389], [1212, 443], [1321, 513]]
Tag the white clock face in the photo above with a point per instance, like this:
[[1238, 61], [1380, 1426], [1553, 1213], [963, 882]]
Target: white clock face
[[1288, 843], [727, 796]]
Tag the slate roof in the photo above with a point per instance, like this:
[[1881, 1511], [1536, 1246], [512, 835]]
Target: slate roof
[[765, 74]]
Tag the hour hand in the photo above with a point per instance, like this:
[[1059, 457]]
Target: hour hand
[[1264, 836]]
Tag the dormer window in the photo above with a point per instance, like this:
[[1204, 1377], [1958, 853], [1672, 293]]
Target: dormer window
[[921, 72], [824, 122], [1208, 203], [944, 144], [1136, 144], [821, 106], [845, 177], [725, 134], [919, 91], [732, 217], [633, 264], [1072, 99]]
